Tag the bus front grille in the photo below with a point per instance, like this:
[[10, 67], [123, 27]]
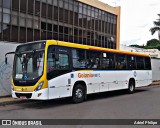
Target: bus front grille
[[27, 95]]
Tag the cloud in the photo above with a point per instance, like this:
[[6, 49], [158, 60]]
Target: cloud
[[153, 4], [142, 26], [129, 42], [137, 18]]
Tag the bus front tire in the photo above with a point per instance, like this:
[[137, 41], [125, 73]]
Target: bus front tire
[[79, 94], [131, 87]]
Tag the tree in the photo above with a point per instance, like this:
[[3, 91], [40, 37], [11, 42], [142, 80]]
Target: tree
[[153, 42], [156, 27]]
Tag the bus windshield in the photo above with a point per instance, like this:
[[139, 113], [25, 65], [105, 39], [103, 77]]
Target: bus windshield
[[29, 61]]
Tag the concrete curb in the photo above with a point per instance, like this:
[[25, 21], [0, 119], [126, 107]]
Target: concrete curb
[[155, 83], [8, 100]]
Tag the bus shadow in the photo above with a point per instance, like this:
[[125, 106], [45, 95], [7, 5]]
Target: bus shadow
[[67, 101], [46, 104], [112, 94]]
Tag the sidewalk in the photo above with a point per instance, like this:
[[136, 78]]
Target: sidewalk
[[9, 100]]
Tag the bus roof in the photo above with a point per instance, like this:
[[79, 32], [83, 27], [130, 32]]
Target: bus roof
[[87, 47]]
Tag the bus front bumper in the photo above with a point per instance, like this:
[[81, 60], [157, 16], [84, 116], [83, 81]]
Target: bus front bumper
[[39, 95]]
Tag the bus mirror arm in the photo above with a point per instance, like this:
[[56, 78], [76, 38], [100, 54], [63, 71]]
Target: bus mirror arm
[[6, 59]]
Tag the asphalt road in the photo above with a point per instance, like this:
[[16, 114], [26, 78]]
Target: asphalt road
[[143, 104]]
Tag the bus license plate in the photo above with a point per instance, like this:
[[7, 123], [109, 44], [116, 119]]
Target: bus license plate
[[23, 97]]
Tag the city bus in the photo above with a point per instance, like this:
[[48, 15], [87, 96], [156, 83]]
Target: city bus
[[52, 69]]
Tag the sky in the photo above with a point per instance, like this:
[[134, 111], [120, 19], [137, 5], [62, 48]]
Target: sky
[[137, 18]]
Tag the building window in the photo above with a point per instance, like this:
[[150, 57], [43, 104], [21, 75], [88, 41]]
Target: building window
[[0, 3], [55, 13], [37, 8], [29, 35], [78, 22], [6, 32], [23, 4], [44, 8], [14, 34], [60, 3], [6, 18], [60, 14], [7, 4], [50, 12], [49, 27], [22, 34], [15, 5], [30, 6], [43, 25]]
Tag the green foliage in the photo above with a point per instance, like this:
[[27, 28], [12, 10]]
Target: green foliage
[[156, 27], [153, 42], [137, 46]]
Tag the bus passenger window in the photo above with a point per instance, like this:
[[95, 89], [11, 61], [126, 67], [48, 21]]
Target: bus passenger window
[[56, 60], [62, 62], [131, 64], [93, 59], [105, 63], [79, 60], [147, 63], [140, 63], [120, 61], [110, 57], [50, 62]]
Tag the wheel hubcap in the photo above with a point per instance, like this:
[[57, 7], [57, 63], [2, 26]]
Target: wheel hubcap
[[79, 93]]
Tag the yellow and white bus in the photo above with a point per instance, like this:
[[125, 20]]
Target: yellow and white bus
[[53, 69]]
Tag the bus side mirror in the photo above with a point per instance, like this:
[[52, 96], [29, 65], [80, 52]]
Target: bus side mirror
[[6, 60]]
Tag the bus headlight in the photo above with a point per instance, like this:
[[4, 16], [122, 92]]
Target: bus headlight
[[39, 87]]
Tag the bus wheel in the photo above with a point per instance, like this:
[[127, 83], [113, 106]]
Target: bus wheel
[[131, 87], [78, 94]]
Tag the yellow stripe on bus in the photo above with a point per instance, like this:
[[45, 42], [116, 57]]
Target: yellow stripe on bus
[[87, 47], [85, 71]]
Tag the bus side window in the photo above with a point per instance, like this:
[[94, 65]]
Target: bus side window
[[63, 61], [147, 63], [93, 59], [111, 60], [120, 61], [79, 60], [104, 61], [140, 63], [50, 59], [131, 62], [57, 60]]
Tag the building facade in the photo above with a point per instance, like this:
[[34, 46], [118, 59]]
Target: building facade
[[154, 53], [80, 21]]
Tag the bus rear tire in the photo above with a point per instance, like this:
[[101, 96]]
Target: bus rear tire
[[131, 87], [79, 94]]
